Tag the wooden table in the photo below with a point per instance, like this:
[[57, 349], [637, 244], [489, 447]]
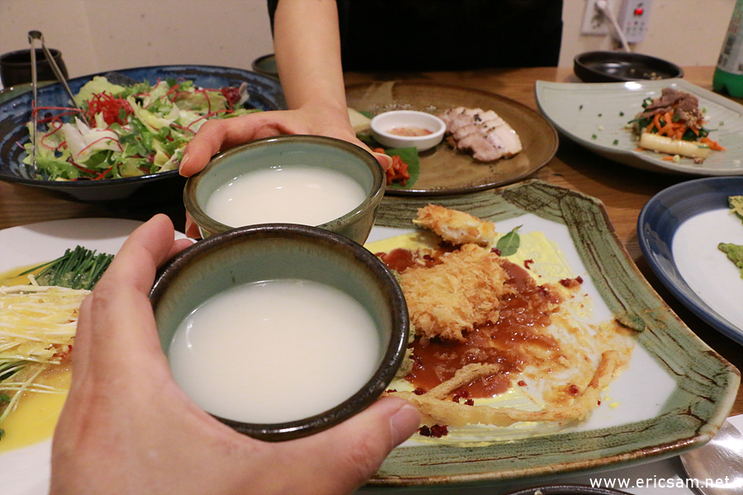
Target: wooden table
[[623, 190]]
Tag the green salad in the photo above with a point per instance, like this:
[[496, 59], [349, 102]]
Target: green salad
[[126, 131]]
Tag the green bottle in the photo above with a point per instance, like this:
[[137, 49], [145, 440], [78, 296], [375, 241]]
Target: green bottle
[[728, 76]]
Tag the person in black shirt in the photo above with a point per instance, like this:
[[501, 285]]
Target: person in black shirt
[[445, 35]]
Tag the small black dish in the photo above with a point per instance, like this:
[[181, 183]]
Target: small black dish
[[266, 65], [15, 67], [623, 66]]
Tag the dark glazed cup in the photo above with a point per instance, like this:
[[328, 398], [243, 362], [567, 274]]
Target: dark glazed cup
[[15, 67]]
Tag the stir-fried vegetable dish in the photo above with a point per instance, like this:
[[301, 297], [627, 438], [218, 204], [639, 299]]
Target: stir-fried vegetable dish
[[673, 123], [126, 131]]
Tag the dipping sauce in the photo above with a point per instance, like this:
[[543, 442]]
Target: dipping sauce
[[292, 194], [275, 351], [410, 131]]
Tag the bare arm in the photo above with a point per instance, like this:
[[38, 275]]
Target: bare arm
[[308, 54]]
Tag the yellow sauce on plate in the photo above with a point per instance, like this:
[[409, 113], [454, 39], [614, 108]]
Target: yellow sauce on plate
[[36, 416]]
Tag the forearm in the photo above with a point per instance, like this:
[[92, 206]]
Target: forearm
[[307, 46]]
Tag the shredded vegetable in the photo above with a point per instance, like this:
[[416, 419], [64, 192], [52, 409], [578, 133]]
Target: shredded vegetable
[[674, 124], [126, 131], [38, 322]]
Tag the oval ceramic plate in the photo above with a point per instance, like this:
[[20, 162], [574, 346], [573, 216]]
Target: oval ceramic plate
[[674, 395], [595, 116], [442, 169], [678, 230], [164, 188]]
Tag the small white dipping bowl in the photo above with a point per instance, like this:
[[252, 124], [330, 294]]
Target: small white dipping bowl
[[383, 124]]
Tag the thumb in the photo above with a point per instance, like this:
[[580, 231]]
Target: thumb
[[384, 160], [350, 453]]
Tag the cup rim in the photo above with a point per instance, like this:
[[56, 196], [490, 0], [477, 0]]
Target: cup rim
[[209, 225]]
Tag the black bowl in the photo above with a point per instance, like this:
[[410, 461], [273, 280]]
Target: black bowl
[[622, 66], [127, 195], [15, 67]]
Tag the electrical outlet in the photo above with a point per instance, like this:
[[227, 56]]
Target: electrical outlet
[[595, 23], [633, 19]]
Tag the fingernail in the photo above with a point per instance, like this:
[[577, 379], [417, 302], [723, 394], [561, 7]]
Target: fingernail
[[404, 423], [186, 157]]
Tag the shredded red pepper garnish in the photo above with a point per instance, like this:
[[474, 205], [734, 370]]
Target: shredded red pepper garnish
[[109, 106]]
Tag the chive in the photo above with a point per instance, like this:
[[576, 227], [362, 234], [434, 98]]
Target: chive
[[80, 268]]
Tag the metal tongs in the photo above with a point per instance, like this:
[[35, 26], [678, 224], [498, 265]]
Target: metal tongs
[[33, 37]]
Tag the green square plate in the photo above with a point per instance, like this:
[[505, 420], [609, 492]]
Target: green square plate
[[674, 396]]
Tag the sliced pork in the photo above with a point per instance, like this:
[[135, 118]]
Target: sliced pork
[[483, 133]]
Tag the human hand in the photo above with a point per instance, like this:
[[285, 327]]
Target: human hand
[[126, 426]]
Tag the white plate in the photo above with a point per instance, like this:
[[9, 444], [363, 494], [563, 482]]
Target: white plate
[[595, 115], [26, 471], [678, 231]]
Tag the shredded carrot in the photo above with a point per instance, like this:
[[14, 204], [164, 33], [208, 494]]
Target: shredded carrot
[[712, 144], [667, 158]]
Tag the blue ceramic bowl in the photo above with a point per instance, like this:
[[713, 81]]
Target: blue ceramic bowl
[[306, 150], [127, 194], [286, 251], [657, 224]]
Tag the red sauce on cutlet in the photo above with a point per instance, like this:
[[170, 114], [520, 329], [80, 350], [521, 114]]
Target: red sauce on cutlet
[[521, 314], [400, 259]]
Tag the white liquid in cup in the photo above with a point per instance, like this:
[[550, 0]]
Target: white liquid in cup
[[297, 194], [275, 351]]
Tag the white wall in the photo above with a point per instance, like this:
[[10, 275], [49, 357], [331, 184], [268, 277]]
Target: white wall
[[685, 32], [101, 35]]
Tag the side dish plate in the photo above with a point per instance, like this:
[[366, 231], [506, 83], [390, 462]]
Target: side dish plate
[[444, 170], [674, 396], [163, 188], [686, 258], [26, 471], [595, 115]]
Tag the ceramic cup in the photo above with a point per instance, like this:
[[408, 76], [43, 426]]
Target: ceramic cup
[[15, 67]]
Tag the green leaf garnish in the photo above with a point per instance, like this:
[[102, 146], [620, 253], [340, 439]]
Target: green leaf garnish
[[409, 156], [509, 243]]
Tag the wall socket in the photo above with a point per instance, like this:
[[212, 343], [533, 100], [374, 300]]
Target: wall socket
[[633, 19], [595, 23]]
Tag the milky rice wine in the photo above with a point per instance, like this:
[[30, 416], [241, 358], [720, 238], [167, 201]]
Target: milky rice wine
[[275, 351], [297, 194]]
